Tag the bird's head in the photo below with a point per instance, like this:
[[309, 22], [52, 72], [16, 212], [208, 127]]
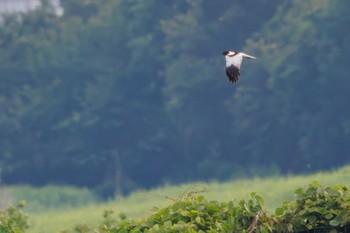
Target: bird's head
[[228, 53]]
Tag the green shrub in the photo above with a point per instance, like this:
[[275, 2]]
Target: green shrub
[[316, 209], [13, 219]]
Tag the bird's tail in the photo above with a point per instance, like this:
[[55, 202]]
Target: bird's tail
[[249, 56]]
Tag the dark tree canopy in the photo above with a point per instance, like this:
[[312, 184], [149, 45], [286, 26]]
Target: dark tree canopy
[[133, 94]]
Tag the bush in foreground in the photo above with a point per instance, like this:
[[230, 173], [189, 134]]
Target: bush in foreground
[[13, 219], [316, 209]]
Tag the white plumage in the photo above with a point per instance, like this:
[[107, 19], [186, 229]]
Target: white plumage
[[233, 63]]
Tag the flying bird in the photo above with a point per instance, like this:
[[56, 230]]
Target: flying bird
[[233, 64]]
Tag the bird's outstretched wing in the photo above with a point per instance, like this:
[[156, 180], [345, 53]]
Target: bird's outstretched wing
[[248, 56], [232, 73]]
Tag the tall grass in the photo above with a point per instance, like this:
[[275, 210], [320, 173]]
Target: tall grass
[[50, 197]]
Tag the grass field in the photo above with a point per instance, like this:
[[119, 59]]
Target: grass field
[[140, 203]]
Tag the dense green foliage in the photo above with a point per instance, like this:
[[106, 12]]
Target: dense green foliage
[[13, 219], [140, 204], [124, 94], [316, 209]]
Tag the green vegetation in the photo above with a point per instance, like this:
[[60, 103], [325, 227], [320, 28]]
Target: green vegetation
[[51, 197], [315, 208], [120, 95], [13, 219], [140, 204]]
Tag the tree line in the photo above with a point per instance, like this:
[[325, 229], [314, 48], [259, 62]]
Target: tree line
[[134, 94]]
